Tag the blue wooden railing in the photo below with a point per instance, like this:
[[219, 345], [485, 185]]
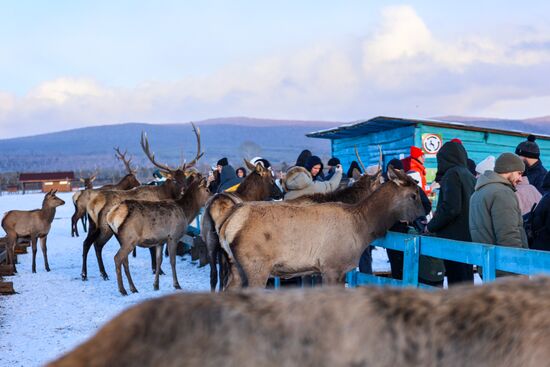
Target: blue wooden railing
[[490, 257]]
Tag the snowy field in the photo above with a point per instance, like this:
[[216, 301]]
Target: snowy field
[[53, 312]]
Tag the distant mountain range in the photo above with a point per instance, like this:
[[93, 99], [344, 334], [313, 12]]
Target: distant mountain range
[[237, 137]]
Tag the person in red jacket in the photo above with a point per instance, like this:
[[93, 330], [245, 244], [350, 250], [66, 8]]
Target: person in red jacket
[[415, 162]]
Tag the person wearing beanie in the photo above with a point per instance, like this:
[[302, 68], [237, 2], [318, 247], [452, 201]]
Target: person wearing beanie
[[415, 162], [315, 166], [331, 164], [529, 152], [222, 163], [450, 219], [495, 216]]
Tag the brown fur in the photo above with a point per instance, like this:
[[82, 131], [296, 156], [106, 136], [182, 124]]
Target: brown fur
[[258, 185], [150, 223], [81, 199], [326, 238], [501, 324], [33, 224]]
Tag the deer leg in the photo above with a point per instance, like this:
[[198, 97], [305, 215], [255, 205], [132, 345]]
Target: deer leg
[[12, 241], [44, 252], [154, 259], [99, 243], [133, 288], [90, 239], [134, 252], [84, 221], [74, 221], [172, 246], [158, 262], [213, 270], [119, 257], [33, 245]]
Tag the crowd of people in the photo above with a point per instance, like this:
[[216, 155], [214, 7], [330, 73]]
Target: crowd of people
[[489, 202]]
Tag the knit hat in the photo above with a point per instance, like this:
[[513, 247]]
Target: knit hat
[[333, 162], [313, 161], [488, 164], [416, 152], [528, 148], [509, 162], [222, 162]]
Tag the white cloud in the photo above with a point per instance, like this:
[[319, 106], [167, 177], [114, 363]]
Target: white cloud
[[401, 68]]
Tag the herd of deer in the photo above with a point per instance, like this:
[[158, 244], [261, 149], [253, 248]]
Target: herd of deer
[[250, 239]]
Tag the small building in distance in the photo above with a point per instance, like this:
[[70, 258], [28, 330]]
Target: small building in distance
[[46, 181]]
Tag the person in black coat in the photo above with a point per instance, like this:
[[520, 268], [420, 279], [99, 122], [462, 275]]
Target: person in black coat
[[451, 218], [534, 170], [541, 220], [302, 158]]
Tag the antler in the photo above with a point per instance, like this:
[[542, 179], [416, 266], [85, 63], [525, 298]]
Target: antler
[[197, 132], [122, 156], [151, 155], [359, 159]]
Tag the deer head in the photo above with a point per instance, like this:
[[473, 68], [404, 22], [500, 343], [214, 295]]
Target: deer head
[[180, 174], [52, 201], [266, 184], [88, 181], [405, 202]]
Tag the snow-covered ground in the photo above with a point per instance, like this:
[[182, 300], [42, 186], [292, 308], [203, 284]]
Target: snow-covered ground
[[53, 312]]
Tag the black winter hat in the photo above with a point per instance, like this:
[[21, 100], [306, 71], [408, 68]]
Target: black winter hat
[[333, 162], [312, 161], [528, 148], [222, 162]]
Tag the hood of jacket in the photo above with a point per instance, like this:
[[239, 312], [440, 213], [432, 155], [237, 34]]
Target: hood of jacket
[[451, 155], [297, 178], [491, 177]]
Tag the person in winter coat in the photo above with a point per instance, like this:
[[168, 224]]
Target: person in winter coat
[[302, 158], [241, 172], [315, 166], [214, 177], [299, 182], [450, 219], [541, 220], [332, 163], [527, 194], [495, 217], [228, 179], [529, 152], [415, 162]]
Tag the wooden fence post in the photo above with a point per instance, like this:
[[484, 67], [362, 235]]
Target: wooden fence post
[[410, 261]]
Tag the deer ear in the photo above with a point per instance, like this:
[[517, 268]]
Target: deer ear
[[92, 179], [356, 174], [82, 180], [394, 176], [54, 192], [260, 168], [249, 165]]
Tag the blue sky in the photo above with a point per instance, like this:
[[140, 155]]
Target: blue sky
[[67, 64]]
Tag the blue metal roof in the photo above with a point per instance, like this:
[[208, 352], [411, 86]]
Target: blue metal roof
[[382, 123]]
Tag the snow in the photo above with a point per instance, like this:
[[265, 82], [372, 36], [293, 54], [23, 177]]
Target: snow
[[53, 312]]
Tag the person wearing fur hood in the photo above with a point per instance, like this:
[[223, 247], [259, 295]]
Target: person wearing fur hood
[[299, 182]]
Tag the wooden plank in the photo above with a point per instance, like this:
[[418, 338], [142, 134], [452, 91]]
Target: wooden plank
[[6, 288], [6, 270]]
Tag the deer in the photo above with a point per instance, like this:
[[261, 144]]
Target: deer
[[178, 180], [263, 239], [152, 223], [258, 185], [33, 225], [81, 198], [503, 323]]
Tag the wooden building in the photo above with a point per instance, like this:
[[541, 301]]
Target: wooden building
[[46, 181], [397, 135]]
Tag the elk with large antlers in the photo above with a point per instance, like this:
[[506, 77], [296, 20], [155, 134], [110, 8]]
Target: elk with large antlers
[[178, 180], [263, 239], [258, 185], [81, 198], [151, 224], [33, 225]]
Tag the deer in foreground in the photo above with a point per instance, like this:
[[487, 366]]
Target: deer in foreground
[[286, 240], [81, 198], [504, 323], [258, 185], [178, 180], [33, 225], [151, 224]]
